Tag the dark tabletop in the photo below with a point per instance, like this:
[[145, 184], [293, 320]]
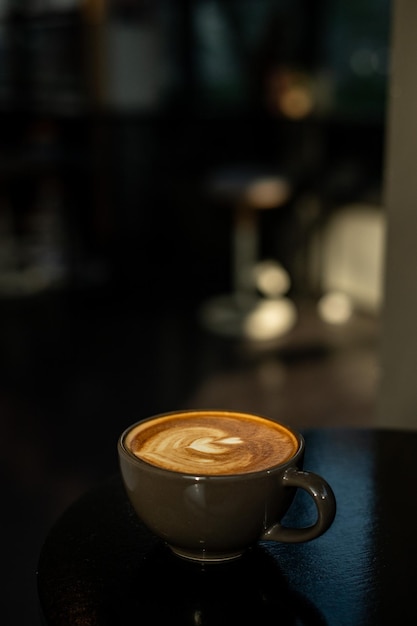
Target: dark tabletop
[[100, 566]]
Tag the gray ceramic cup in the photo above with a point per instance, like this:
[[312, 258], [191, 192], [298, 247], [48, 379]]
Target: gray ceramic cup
[[216, 514]]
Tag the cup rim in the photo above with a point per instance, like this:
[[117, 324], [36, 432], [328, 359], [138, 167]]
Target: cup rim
[[132, 457]]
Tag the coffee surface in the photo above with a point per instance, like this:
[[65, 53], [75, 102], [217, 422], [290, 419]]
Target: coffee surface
[[212, 443]]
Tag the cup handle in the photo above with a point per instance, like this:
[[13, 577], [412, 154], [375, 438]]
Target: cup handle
[[324, 500]]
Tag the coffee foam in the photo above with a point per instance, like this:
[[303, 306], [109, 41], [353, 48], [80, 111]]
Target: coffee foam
[[212, 443]]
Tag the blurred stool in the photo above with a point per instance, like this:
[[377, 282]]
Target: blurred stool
[[244, 312]]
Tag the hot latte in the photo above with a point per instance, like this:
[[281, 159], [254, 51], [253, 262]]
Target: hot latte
[[212, 443]]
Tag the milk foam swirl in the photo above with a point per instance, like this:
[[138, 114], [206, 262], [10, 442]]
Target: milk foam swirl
[[212, 444]]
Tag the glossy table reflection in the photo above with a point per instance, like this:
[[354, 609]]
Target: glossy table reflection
[[100, 566]]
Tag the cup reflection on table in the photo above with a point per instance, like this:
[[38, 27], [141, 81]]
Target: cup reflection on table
[[250, 590]]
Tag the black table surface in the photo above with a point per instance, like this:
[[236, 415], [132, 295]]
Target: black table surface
[[100, 566]]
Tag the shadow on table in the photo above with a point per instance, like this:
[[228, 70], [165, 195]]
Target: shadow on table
[[251, 590], [101, 566]]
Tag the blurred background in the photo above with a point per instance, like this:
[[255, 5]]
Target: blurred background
[[191, 215]]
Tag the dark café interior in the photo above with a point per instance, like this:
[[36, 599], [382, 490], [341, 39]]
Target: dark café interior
[[194, 214]]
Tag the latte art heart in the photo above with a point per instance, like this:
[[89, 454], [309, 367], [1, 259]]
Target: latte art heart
[[193, 446], [212, 444]]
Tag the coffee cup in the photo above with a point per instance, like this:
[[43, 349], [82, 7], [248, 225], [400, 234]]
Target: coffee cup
[[213, 483]]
